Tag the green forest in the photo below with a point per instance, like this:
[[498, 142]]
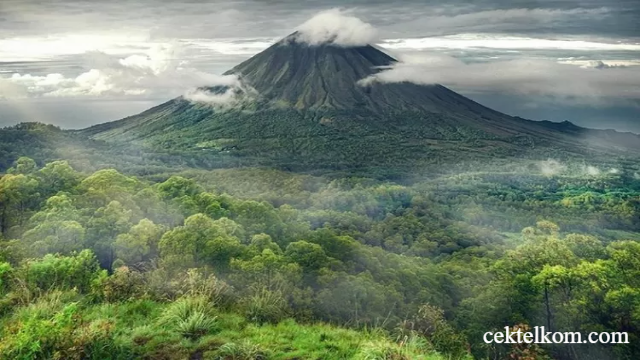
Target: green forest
[[254, 263]]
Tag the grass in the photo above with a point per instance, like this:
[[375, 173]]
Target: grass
[[187, 328]]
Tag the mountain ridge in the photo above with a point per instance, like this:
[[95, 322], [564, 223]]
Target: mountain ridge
[[311, 108]]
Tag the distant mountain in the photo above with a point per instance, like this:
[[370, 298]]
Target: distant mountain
[[301, 106], [46, 143]]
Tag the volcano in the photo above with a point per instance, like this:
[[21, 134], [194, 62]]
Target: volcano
[[300, 105]]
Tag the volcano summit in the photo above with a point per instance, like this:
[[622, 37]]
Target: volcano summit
[[302, 104]]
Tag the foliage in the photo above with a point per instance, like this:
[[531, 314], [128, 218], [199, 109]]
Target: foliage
[[108, 265], [60, 272], [190, 317]]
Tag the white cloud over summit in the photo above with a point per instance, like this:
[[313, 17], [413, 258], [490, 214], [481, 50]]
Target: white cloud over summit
[[336, 27]]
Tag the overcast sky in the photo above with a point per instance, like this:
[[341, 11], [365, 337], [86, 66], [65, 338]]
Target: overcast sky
[[75, 63]]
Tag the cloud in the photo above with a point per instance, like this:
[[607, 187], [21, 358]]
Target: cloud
[[546, 78], [600, 64], [11, 90], [221, 99], [20, 86], [224, 91], [335, 27], [158, 72], [551, 167], [591, 170], [233, 46], [203, 96], [511, 20], [507, 42], [52, 46]]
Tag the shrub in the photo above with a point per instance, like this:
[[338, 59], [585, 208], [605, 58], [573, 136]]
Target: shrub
[[196, 325], [191, 317], [243, 351], [266, 306], [5, 275], [192, 283], [195, 283], [49, 329], [430, 323], [408, 348], [62, 272], [124, 284]]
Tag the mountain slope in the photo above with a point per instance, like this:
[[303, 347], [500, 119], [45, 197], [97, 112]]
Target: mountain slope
[[304, 107]]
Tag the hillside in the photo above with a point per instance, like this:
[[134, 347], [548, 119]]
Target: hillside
[[254, 264], [302, 108], [292, 211], [45, 143]]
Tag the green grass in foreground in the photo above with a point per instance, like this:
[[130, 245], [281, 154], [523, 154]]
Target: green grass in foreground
[[64, 325]]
